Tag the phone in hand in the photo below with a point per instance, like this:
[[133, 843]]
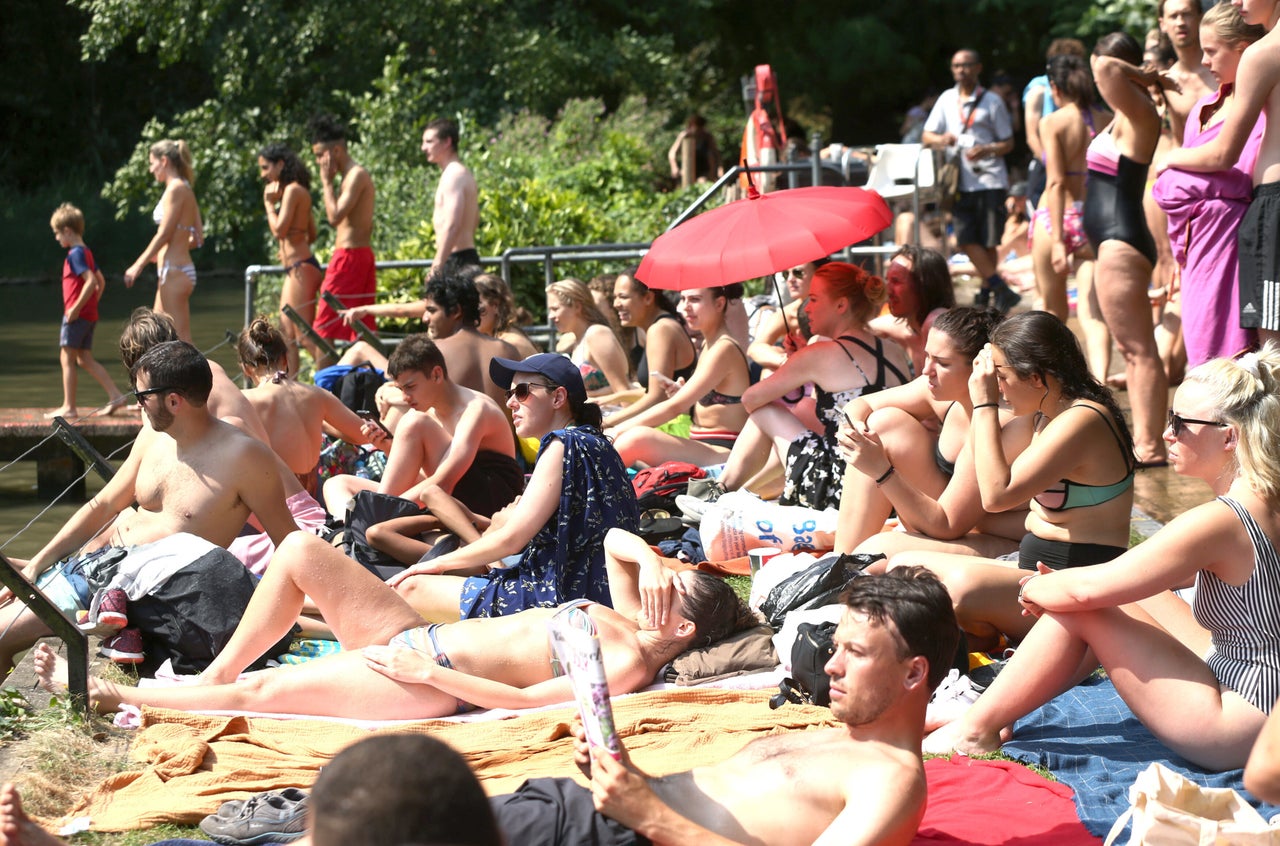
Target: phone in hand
[[372, 417]]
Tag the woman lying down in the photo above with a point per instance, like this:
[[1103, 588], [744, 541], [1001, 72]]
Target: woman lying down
[[395, 667]]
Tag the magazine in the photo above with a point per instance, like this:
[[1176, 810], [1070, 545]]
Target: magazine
[[579, 654]]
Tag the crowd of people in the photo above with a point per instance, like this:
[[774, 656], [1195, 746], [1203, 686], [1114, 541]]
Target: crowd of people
[[992, 437]]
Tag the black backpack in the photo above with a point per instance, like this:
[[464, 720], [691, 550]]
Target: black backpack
[[358, 387]]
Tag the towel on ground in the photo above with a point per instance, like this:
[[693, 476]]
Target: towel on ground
[[195, 762], [1088, 738], [985, 803]]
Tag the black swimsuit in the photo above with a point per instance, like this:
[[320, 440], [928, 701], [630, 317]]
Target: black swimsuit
[[642, 360]]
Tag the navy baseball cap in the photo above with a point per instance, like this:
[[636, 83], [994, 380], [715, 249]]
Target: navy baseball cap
[[558, 368]]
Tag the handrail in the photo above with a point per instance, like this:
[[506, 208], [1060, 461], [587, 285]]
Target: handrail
[[77, 642]]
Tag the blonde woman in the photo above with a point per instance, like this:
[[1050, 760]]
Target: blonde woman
[[596, 349], [179, 229]]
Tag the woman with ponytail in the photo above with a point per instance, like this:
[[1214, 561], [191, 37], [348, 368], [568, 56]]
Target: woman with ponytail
[[548, 546], [179, 229]]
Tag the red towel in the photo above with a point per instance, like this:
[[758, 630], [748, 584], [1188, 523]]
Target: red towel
[[997, 802]]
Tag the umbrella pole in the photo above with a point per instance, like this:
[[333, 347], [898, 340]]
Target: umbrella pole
[[786, 329]]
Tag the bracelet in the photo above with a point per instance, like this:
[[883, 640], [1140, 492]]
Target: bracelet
[[1022, 588], [986, 405], [886, 475]]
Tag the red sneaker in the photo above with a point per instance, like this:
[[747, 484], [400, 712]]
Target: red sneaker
[[124, 647]]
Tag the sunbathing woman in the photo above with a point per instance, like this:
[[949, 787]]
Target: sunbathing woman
[[295, 415], [397, 668], [1057, 229], [1074, 461], [664, 353], [596, 349], [898, 459], [842, 299], [287, 202], [781, 333], [919, 286], [179, 229], [578, 491], [1201, 677], [714, 391]]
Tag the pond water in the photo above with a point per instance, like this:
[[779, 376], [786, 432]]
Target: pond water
[[30, 377]]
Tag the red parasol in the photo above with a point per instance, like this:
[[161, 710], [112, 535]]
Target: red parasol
[[762, 234]]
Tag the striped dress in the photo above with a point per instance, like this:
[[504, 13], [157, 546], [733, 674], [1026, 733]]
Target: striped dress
[[1244, 621]]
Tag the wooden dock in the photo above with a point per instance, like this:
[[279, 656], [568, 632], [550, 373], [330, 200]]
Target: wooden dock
[[58, 466]]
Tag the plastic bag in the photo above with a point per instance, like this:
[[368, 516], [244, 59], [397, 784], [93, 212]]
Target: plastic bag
[[818, 584], [739, 521]]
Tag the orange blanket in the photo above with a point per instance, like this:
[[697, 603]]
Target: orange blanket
[[194, 762]]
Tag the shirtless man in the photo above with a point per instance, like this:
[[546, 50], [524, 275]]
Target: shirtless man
[[1180, 20], [196, 480], [859, 784], [1257, 93], [351, 275], [457, 208], [146, 329], [452, 313], [454, 440]]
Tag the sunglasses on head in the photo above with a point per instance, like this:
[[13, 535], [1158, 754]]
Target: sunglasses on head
[[521, 390], [1177, 422]]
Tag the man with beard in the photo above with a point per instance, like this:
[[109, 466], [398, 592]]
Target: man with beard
[[862, 783], [195, 484]]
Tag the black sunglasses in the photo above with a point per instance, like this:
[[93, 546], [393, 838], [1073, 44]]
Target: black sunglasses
[[141, 396], [521, 390], [1177, 422]]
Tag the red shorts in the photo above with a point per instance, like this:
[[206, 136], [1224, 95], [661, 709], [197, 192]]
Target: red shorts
[[352, 278]]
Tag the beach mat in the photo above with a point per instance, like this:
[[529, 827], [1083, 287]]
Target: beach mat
[[1089, 739], [192, 763], [992, 803]]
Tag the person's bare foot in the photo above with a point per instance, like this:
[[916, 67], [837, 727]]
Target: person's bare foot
[[1118, 381], [120, 406], [63, 412], [16, 828], [955, 737], [51, 674]]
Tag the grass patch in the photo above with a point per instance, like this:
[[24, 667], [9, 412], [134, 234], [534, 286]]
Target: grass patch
[[741, 586]]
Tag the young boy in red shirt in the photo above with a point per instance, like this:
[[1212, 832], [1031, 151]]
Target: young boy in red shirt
[[82, 285]]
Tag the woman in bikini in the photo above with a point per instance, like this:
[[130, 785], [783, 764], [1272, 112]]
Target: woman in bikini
[[287, 202], [714, 390], [1074, 461], [1118, 159], [596, 349], [908, 450], [1205, 209], [842, 299], [1202, 676], [1057, 231], [295, 415], [393, 667], [664, 352], [179, 229]]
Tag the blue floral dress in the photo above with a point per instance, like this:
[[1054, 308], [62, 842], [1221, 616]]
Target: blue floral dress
[[565, 559]]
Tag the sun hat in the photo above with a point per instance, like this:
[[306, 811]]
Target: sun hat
[[559, 369]]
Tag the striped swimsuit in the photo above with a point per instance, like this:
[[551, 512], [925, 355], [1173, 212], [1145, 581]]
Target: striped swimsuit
[[1244, 621]]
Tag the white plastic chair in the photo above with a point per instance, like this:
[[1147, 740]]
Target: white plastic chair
[[902, 170]]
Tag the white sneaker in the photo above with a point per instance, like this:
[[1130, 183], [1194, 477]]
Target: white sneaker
[[952, 698]]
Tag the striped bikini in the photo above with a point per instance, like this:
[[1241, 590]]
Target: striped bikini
[[1244, 621]]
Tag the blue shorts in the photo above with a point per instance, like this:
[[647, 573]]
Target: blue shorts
[[78, 334], [65, 583]]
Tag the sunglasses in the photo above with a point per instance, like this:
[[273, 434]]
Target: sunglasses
[[1177, 422], [521, 390], [141, 396], [797, 272]]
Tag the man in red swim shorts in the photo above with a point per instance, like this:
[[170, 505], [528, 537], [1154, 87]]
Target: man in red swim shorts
[[350, 275]]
